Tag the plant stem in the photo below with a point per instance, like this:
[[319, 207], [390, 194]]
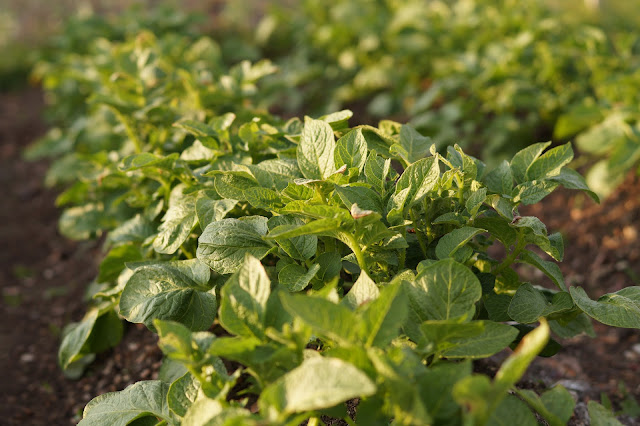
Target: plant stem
[[520, 245], [419, 234], [355, 247], [313, 421], [137, 143]]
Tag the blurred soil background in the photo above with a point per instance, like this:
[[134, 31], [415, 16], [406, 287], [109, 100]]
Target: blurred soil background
[[43, 276]]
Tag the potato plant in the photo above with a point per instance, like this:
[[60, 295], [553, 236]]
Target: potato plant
[[290, 266]]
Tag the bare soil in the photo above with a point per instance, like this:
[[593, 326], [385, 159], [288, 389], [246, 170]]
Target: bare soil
[[43, 277]]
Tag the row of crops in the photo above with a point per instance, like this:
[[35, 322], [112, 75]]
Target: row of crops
[[291, 265]]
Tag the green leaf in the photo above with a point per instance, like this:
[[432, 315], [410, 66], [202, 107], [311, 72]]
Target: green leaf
[[209, 412], [233, 185], [363, 290], [300, 248], [494, 338], [436, 386], [412, 147], [244, 300], [295, 277], [324, 317], [536, 233], [529, 304], [177, 291], [384, 316], [550, 163], [533, 192], [571, 179], [445, 290], [512, 411], [600, 416], [264, 198], [377, 170], [499, 228], [420, 177], [500, 180], [210, 209], [550, 269], [474, 202], [524, 158], [142, 399], [351, 150], [619, 309], [322, 227], [449, 244], [177, 222], [135, 230], [96, 332], [113, 263], [316, 150], [317, 383], [83, 222], [223, 244], [182, 394], [559, 402], [365, 198]]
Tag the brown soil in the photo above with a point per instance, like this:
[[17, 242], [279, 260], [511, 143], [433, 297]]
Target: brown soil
[[43, 277]]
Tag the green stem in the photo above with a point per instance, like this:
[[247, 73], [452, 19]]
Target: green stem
[[349, 421], [421, 241], [355, 247], [520, 245], [186, 252], [313, 421], [137, 143]]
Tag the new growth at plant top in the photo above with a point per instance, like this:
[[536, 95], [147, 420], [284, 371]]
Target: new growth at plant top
[[290, 266]]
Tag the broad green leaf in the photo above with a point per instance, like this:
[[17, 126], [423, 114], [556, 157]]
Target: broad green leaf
[[529, 304], [233, 185], [475, 200], [619, 309], [499, 228], [317, 383], [198, 152], [550, 163], [377, 170], [500, 179], [364, 290], [512, 411], [182, 394], [142, 399], [113, 263], [147, 159], [559, 402], [576, 120], [300, 248], [573, 326], [96, 332], [550, 269], [209, 209], [351, 150], [83, 222], [533, 192], [524, 158], [209, 412], [536, 233], [420, 177], [244, 300], [316, 150], [337, 322], [497, 306], [412, 147], [449, 244], [384, 316], [135, 230], [322, 227], [445, 290], [177, 222], [571, 179], [436, 386], [280, 172], [365, 198], [264, 198], [600, 416], [295, 277], [176, 291], [223, 244], [475, 339]]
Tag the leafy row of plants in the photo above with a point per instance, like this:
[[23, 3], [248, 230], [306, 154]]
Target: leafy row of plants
[[466, 72], [290, 266]]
